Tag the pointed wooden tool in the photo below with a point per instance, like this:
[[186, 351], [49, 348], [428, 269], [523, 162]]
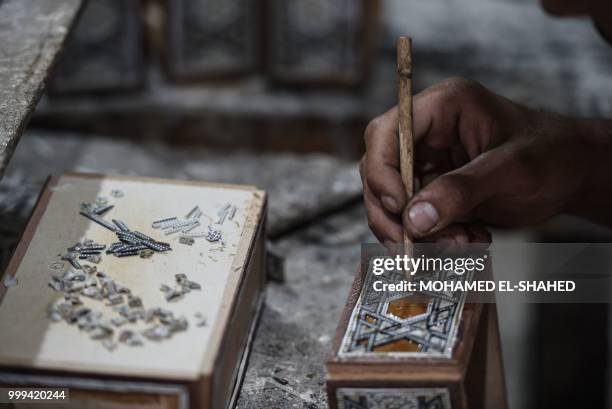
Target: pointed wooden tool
[[406, 134]]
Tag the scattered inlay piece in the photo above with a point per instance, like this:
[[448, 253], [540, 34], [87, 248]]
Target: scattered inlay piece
[[109, 344], [86, 250], [200, 319], [134, 243], [171, 225], [166, 328], [72, 284], [130, 338], [213, 235], [183, 286], [146, 253], [190, 222], [130, 243], [57, 265], [226, 212], [10, 281], [186, 240], [99, 207], [117, 194]]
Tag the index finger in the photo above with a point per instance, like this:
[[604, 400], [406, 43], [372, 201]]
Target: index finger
[[456, 110], [436, 115], [382, 161]]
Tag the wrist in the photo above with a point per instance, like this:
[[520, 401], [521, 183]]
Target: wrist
[[594, 157]]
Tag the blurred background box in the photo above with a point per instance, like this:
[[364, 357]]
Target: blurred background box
[[196, 72], [104, 52], [212, 38], [320, 41]]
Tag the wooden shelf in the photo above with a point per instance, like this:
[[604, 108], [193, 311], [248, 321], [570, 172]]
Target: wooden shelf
[[33, 33]]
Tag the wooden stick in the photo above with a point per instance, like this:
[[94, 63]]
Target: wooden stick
[[406, 135]]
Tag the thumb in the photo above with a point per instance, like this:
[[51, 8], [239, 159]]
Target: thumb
[[451, 196]]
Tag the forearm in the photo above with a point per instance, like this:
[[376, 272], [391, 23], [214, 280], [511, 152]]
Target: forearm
[[593, 199]]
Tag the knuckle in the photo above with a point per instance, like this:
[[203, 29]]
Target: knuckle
[[459, 88], [463, 84], [371, 223], [372, 182], [526, 169], [362, 166], [457, 190], [368, 178], [372, 128]]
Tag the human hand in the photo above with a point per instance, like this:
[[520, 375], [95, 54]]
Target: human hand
[[478, 157]]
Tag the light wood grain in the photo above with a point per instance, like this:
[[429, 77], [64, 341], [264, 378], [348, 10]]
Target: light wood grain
[[30, 340], [406, 135]]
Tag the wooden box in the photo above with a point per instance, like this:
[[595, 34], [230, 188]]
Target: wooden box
[[104, 53], [398, 352], [188, 345], [208, 39], [320, 42]]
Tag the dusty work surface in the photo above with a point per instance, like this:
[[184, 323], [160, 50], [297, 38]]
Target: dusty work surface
[[32, 32], [300, 315]]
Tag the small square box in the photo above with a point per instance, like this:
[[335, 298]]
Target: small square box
[[64, 326], [395, 352]]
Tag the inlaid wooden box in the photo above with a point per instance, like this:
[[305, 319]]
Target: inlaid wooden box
[[208, 39], [395, 352], [104, 52], [184, 351], [321, 42]]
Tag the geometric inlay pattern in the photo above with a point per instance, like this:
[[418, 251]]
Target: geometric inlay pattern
[[104, 53], [376, 328], [316, 40], [393, 398], [212, 37]]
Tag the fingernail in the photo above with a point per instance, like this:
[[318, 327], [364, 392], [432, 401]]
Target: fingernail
[[390, 204], [423, 216]]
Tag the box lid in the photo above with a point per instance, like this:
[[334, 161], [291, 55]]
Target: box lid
[[31, 339]]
